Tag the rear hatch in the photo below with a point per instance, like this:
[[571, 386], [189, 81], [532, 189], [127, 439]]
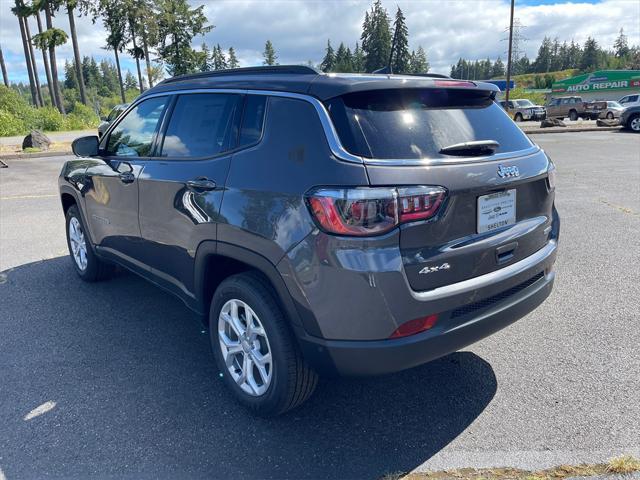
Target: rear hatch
[[499, 202]]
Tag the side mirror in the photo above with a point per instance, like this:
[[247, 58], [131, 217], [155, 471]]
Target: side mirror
[[85, 146]]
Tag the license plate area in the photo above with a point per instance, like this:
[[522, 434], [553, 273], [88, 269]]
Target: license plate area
[[496, 210]]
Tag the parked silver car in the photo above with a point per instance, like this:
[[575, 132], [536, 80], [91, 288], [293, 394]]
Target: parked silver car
[[613, 110]]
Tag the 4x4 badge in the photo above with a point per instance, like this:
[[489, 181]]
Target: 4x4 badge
[[444, 266], [507, 172]]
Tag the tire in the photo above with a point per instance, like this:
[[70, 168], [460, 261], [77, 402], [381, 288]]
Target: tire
[[610, 115], [573, 115], [634, 123], [87, 265], [518, 117], [283, 384]]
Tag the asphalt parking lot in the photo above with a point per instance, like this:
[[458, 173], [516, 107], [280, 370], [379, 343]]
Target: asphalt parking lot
[[133, 393]]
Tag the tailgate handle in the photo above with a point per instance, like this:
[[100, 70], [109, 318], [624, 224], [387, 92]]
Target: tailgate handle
[[505, 252]]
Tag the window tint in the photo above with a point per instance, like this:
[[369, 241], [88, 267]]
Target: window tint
[[414, 124], [201, 125], [252, 119], [133, 136]]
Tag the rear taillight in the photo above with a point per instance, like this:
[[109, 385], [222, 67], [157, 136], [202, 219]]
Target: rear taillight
[[372, 211]]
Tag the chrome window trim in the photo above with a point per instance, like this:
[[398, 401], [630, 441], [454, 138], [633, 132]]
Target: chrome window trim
[[488, 278], [331, 134]]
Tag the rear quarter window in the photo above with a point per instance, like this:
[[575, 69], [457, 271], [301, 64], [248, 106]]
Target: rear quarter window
[[416, 124]]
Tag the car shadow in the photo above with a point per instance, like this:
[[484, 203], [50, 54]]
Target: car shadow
[[126, 386]]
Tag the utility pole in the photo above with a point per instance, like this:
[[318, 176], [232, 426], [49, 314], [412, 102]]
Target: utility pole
[[510, 47]]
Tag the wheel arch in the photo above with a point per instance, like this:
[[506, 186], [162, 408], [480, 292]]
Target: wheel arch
[[216, 261]]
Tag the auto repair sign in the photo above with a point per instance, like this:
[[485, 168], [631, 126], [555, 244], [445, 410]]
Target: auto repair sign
[[603, 80]]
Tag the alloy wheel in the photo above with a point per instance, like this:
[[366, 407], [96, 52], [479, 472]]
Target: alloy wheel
[[78, 243], [245, 347], [635, 124]]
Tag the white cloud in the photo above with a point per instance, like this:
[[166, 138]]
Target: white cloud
[[447, 29]]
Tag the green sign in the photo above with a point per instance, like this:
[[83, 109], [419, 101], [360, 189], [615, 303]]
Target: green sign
[[596, 81]]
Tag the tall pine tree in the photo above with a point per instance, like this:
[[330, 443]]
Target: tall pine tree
[[376, 37], [419, 63], [232, 60], [329, 61], [269, 54], [400, 55]]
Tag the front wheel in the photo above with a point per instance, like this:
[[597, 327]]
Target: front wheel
[[610, 115], [518, 117], [254, 348], [634, 123], [573, 115], [88, 266]]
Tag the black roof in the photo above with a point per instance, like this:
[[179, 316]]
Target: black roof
[[307, 80]]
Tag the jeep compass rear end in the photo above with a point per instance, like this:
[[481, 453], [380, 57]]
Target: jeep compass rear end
[[321, 224]]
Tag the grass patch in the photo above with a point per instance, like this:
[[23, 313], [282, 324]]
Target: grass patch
[[619, 465], [626, 464]]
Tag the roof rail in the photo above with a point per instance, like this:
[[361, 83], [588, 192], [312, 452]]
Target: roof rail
[[282, 69]]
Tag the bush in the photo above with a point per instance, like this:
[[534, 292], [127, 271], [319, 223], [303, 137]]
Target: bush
[[10, 125], [49, 119], [18, 117], [83, 116]]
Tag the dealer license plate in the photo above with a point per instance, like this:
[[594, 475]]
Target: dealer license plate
[[496, 210]]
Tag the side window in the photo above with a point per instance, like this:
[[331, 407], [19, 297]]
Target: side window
[[252, 119], [201, 125], [134, 135], [633, 98]]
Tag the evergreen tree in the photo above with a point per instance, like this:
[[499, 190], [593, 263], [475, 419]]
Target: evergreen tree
[[542, 63], [401, 58], [232, 60], [418, 61], [343, 59], [219, 62], [178, 25], [203, 59], [70, 80], [269, 54], [357, 59], [574, 55], [621, 45], [329, 61], [376, 37], [130, 82], [498, 69], [590, 56]]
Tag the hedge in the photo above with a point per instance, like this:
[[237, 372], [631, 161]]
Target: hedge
[[17, 117]]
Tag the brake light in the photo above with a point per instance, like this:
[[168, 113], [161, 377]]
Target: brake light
[[372, 211], [415, 326], [454, 83]]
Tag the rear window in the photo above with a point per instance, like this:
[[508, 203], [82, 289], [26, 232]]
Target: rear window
[[415, 124]]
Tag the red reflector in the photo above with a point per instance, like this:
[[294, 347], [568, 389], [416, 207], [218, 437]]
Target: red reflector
[[415, 326], [454, 83]]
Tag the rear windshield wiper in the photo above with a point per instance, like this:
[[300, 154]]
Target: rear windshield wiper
[[475, 148]]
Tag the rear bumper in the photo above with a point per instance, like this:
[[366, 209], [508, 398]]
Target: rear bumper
[[362, 358]]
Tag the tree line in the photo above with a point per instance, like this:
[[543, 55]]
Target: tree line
[[554, 56], [159, 35]]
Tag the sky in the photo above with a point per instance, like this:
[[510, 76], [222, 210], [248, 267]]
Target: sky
[[299, 29]]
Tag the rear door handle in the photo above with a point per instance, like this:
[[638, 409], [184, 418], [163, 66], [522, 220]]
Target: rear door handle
[[201, 184], [127, 177]]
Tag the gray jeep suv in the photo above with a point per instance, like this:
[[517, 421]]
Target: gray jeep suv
[[319, 224]]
